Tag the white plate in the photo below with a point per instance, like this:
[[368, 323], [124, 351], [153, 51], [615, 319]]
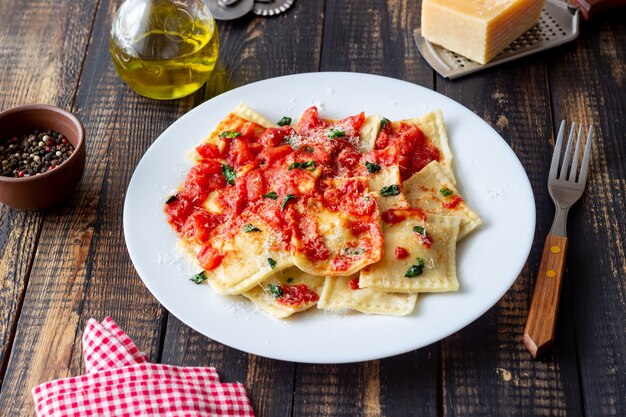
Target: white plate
[[490, 177]]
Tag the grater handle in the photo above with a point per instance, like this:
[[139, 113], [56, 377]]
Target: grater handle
[[592, 8]]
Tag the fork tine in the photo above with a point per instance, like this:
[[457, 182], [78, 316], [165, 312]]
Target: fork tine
[[566, 155], [574, 170], [582, 178], [556, 156]]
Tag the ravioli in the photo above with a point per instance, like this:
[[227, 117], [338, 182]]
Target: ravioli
[[341, 293], [334, 243], [286, 292], [434, 128], [368, 133], [432, 191], [387, 184], [250, 254], [426, 267]]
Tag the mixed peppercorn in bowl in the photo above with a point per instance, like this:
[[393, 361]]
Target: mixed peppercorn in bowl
[[42, 156]]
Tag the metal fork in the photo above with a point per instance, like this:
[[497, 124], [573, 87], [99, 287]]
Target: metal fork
[[565, 185]]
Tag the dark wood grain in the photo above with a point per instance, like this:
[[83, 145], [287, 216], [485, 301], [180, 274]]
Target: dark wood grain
[[595, 268], [19, 232], [486, 368], [39, 63], [253, 49]]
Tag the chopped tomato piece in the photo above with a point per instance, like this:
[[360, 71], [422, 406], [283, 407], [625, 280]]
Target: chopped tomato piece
[[250, 130], [233, 200], [270, 156], [275, 136], [255, 185], [209, 258], [400, 253], [177, 212], [347, 159], [208, 151], [454, 203], [201, 180], [353, 122], [391, 216], [310, 241], [354, 283], [199, 224], [297, 294], [310, 121], [239, 152]]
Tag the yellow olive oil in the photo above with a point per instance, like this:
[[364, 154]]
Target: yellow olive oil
[[168, 54]]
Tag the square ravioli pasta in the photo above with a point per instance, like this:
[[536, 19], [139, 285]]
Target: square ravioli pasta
[[309, 211]]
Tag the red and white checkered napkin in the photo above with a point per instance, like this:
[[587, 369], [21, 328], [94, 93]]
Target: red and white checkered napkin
[[121, 382]]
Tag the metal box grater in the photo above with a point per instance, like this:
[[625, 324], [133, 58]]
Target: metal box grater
[[558, 24]]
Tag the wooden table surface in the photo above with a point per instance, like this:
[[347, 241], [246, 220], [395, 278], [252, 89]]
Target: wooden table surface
[[61, 266]]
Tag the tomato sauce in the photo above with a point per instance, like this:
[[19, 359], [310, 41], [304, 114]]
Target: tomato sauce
[[309, 240], [209, 258], [452, 204], [392, 216], [354, 284], [400, 253], [427, 240], [253, 169], [294, 295]]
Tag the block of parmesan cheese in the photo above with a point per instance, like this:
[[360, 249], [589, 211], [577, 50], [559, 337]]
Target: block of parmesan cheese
[[478, 29]]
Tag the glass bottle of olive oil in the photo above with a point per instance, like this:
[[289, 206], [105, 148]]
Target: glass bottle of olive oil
[[164, 49]]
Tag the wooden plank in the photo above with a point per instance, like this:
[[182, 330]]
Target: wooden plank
[[18, 240], [269, 382], [39, 64], [244, 58], [486, 368], [594, 94], [81, 268], [372, 37]]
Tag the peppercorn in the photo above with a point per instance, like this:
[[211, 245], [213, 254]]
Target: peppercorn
[[33, 153]]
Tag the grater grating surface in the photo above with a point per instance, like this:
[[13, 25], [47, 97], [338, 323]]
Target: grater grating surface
[[558, 24]]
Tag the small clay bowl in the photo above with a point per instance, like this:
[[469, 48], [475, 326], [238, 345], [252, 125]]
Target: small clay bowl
[[43, 190]]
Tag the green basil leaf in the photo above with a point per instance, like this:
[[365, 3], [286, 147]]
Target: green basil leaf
[[308, 165], [353, 251], [171, 199], [284, 121], [276, 290], [286, 199], [251, 228], [390, 190], [199, 278], [415, 270], [372, 167], [384, 122], [420, 230], [336, 133], [272, 195], [446, 192], [229, 134], [271, 262], [229, 174]]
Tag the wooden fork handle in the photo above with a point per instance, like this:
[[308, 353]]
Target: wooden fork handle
[[539, 330]]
